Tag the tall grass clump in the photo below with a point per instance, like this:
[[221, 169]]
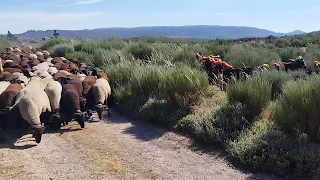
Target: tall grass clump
[[286, 53], [264, 147], [184, 86], [140, 50], [277, 79], [250, 56], [297, 111], [55, 41], [186, 56], [61, 50], [4, 43], [217, 49], [81, 56], [103, 58], [112, 43], [146, 81], [254, 94]]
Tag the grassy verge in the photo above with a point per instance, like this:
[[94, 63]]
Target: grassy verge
[[261, 122]]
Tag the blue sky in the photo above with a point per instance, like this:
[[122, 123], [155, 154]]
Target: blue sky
[[278, 15]]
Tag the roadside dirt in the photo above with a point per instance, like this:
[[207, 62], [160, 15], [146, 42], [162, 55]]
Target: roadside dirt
[[113, 149]]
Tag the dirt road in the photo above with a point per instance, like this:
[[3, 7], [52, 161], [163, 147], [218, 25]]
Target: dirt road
[[113, 149]]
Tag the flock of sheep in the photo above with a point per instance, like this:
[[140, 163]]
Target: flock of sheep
[[38, 91]]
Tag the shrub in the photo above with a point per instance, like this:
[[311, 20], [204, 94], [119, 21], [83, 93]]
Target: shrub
[[146, 81], [53, 42], [265, 147], [81, 56], [186, 57], [112, 43], [140, 51], [61, 50], [222, 125], [4, 43], [297, 111], [161, 112], [277, 79], [184, 86], [254, 94], [250, 56]]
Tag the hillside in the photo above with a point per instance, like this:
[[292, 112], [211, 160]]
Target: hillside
[[189, 32]]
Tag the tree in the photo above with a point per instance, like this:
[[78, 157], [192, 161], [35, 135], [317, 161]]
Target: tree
[[55, 34], [11, 36]]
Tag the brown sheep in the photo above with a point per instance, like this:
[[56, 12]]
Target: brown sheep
[[12, 65], [6, 76], [70, 104], [102, 75], [12, 70], [7, 99], [73, 76], [58, 75]]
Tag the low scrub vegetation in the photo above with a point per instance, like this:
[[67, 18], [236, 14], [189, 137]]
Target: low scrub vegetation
[[268, 121]]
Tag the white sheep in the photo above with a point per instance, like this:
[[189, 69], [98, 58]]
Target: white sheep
[[63, 59], [16, 49], [32, 56], [31, 106], [41, 67], [36, 84], [52, 70], [8, 61], [65, 72], [24, 80], [101, 91], [16, 74], [38, 53], [44, 74], [46, 52], [53, 91], [3, 86], [81, 76], [49, 59]]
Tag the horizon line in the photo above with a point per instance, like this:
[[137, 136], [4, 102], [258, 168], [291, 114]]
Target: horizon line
[[123, 27]]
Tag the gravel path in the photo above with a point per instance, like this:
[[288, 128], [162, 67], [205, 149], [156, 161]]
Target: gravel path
[[113, 149]]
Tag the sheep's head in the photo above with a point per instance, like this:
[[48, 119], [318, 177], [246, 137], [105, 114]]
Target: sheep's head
[[80, 118], [63, 80]]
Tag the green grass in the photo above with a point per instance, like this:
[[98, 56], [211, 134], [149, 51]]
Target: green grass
[[297, 111], [55, 41], [254, 94], [174, 92], [4, 43], [60, 50]]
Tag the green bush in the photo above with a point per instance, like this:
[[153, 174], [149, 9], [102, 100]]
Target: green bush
[[140, 51], [254, 94], [146, 81], [61, 50], [81, 56], [112, 43], [222, 125], [264, 147], [297, 111], [250, 56], [185, 56], [161, 112], [183, 86], [4, 43], [277, 79], [53, 42]]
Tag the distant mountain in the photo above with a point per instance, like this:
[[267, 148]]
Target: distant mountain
[[190, 32], [296, 32]]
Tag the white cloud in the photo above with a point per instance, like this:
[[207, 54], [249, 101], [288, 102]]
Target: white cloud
[[80, 2], [43, 16]]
